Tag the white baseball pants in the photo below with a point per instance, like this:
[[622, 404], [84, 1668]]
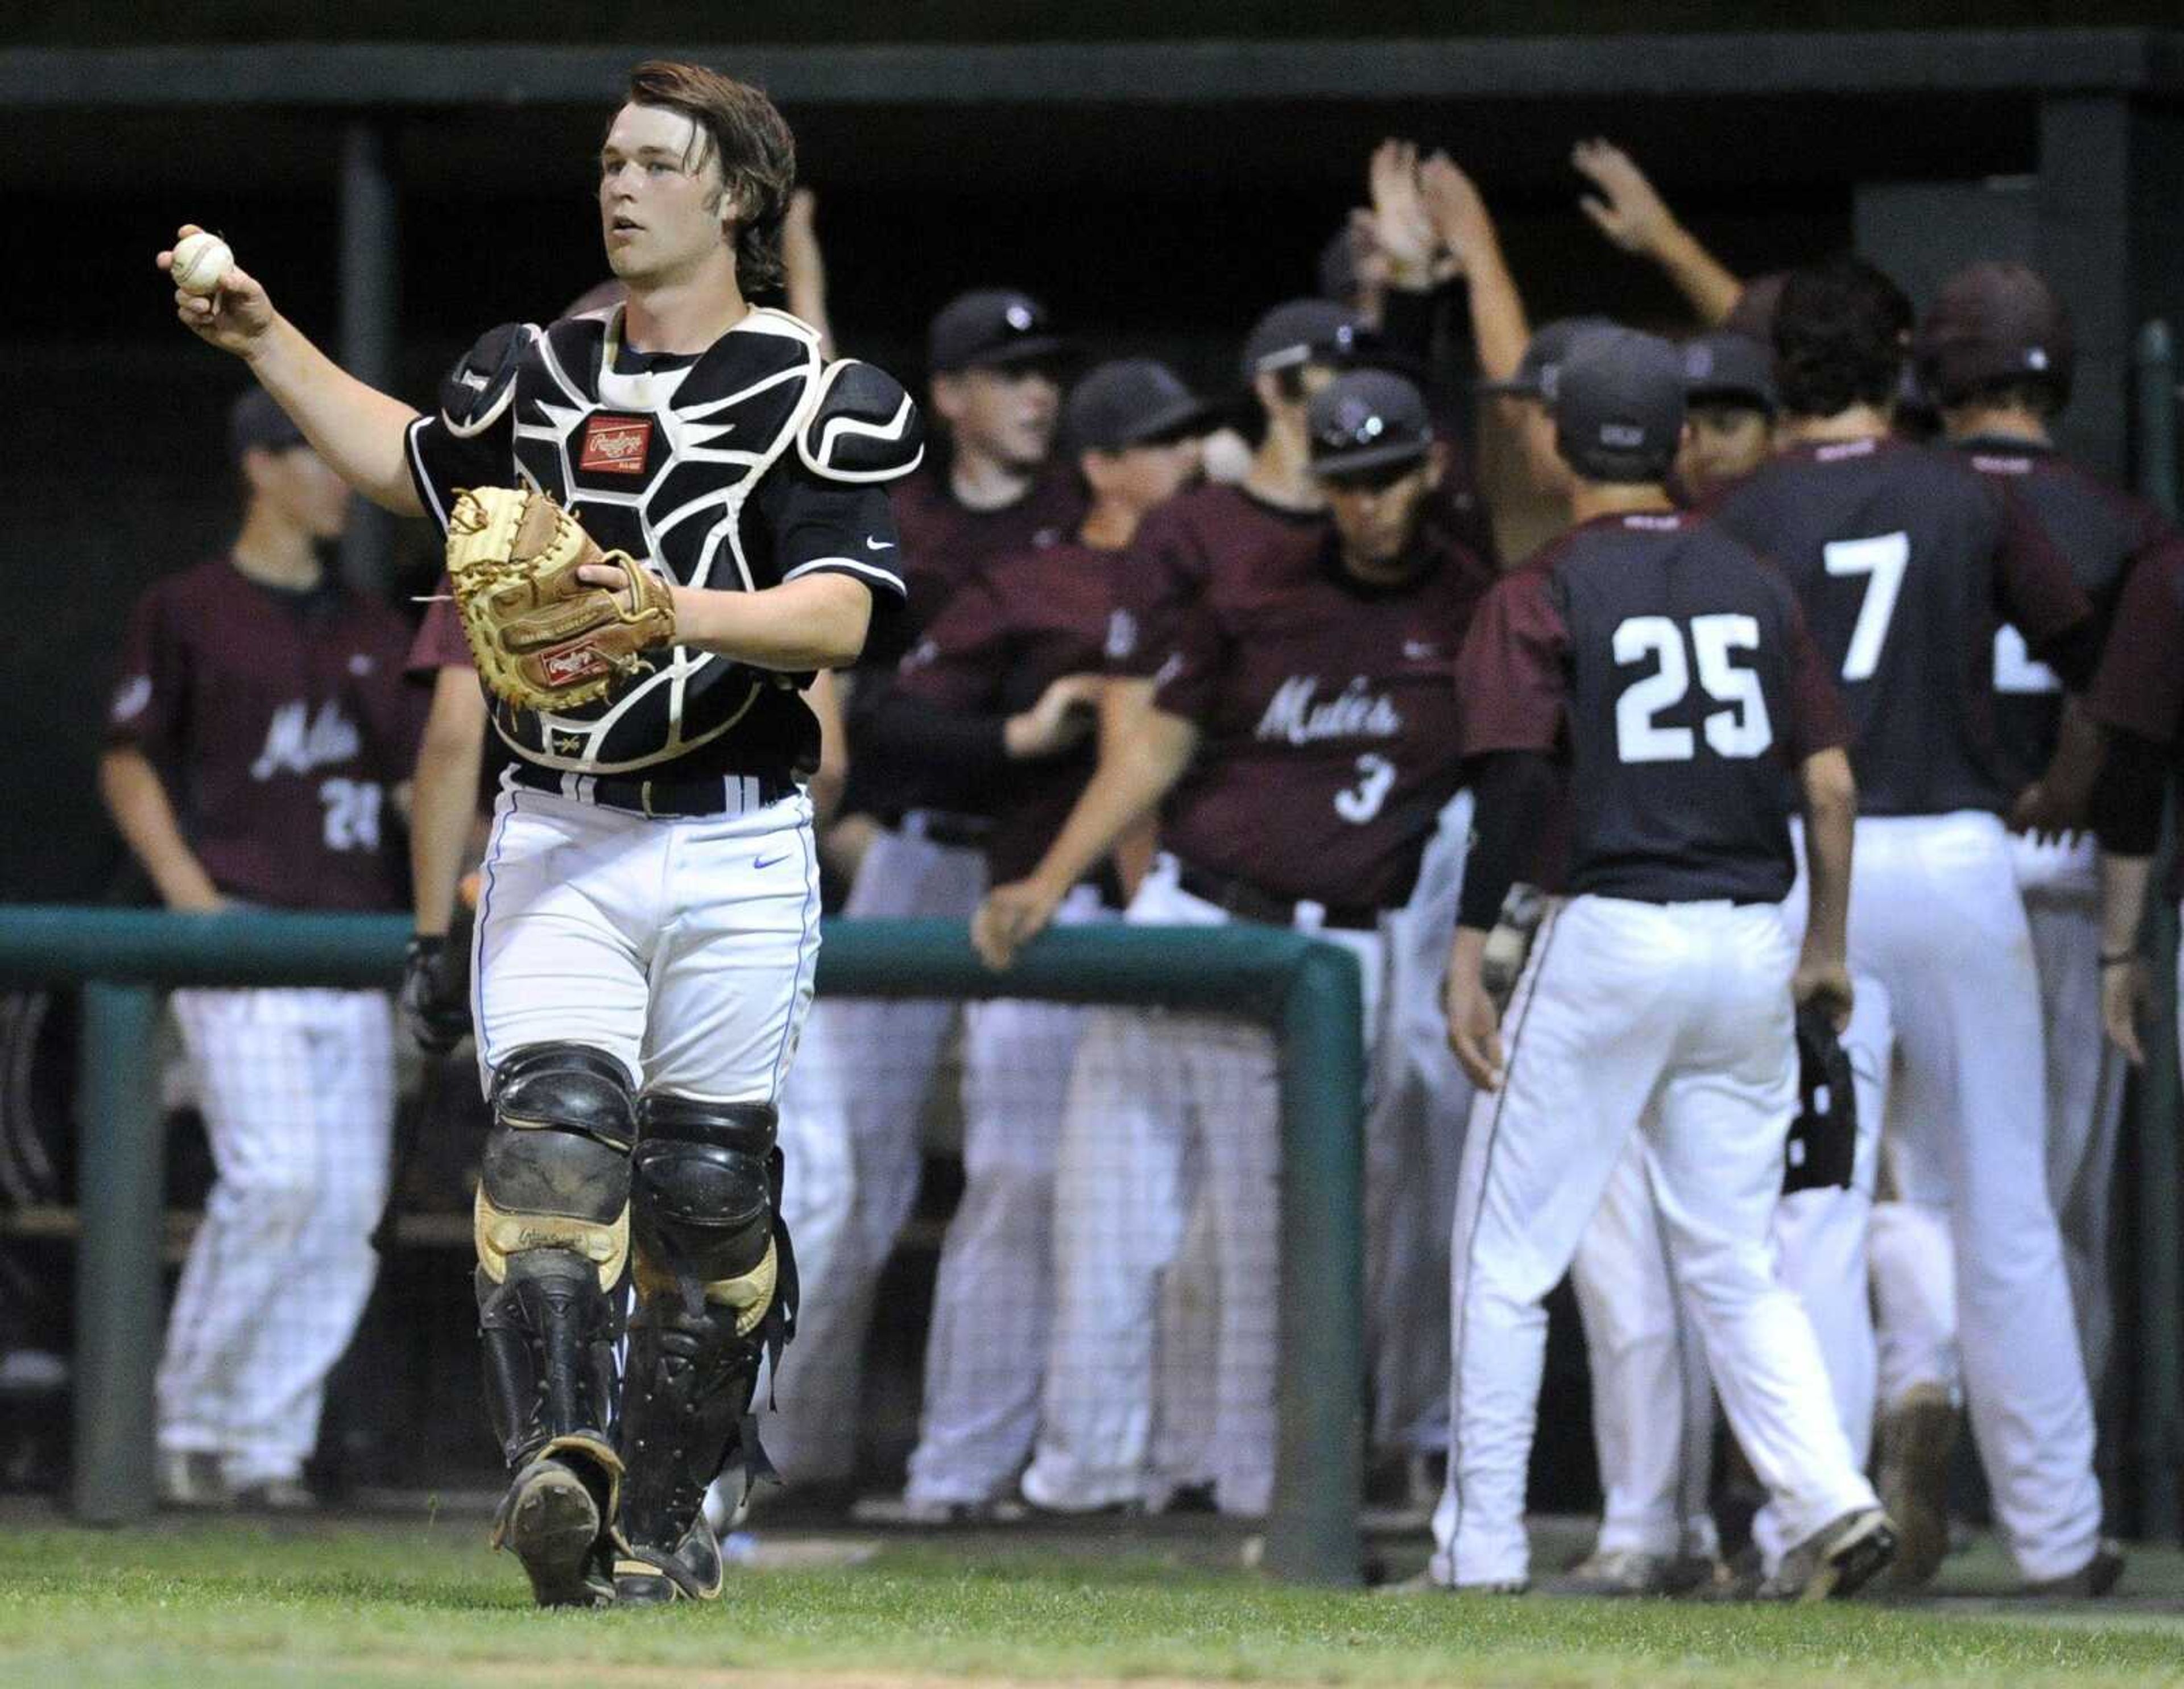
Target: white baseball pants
[[1672, 1021], [1642, 1342], [1937, 919], [2085, 1093], [985, 1350], [683, 946], [1167, 1112], [1413, 1146], [861, 1091], [296, 1088]]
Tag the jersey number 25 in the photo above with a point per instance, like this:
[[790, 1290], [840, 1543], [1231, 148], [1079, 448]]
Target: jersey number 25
[[1742, 730]]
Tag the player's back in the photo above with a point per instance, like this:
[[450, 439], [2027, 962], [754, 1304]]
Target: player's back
[[1687, 697], [1900, 555], [2100, 530]]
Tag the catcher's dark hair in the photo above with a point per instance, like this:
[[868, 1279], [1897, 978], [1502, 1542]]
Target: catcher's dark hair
[[2044, 396], [757, 154], [1841, 332]]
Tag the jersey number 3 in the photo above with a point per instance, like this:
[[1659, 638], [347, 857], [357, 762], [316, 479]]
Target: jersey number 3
[[1743, 730]]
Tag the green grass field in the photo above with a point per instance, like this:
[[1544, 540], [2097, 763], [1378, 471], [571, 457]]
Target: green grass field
[[235, 1605]]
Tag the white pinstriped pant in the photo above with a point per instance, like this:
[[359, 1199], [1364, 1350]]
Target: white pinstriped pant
[[296, 1088], [1171, 1137], [858, 1101], [985, 1351]]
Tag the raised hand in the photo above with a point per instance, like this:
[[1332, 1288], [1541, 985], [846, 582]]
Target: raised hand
[[234, 316], [1452, 204], [1627, 210], [1400, 227]]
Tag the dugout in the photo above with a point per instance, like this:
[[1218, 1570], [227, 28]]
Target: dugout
[[401, 195]]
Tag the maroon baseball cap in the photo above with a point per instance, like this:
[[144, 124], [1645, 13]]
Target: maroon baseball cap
[[1994, 322]]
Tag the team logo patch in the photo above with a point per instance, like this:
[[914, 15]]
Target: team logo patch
[[577, 662], [616, 445]]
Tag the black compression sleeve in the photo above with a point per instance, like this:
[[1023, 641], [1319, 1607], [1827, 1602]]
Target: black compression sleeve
[[2075, 653], [952, 750], [1510, 790], [2127, 800]]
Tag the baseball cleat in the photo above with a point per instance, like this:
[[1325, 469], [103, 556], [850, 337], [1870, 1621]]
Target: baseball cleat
[[276, 1495], [2098, 1577], [1836, 1562], [189, 1478], [693, 1571], [1621, 1573], [1425, 1583], [549, 1520], [1918, 1435]]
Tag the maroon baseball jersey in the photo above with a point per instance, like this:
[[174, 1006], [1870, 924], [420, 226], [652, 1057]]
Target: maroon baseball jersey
[[2101, 530], [280, 721], [1906, 559], [1207, 533], [1670, 669], [2140, 685], [439, 643], [1327, 714], [1016, 627], [943, 543]]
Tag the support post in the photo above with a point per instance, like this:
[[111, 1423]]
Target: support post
[[122, 1171], [369, 311], [1312, 1528], [2155, 1113]]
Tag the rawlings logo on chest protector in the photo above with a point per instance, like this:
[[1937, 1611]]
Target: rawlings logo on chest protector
[[615, 445]]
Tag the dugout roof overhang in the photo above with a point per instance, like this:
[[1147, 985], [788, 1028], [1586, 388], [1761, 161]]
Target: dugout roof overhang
[[1936, 102]]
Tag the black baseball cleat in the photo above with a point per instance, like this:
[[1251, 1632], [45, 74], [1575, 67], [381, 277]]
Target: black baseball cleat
[[692, 1571], [1835, 1562], [2090, 1582], [549, 1520]]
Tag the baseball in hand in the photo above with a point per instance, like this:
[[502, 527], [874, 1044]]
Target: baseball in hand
[[200, 260]]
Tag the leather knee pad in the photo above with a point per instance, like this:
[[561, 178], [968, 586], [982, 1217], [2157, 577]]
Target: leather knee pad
[[556, 1173], [704, 1184]]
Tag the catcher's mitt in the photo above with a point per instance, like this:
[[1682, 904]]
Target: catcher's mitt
[[1822, 1146], [542, 638]]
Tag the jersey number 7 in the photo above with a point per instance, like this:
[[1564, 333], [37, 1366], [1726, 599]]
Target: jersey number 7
[[1882, 559], [1743, 730]]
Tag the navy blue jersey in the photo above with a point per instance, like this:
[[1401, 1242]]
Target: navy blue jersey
[[1669, 669], [1906, 559], [2101, 530]]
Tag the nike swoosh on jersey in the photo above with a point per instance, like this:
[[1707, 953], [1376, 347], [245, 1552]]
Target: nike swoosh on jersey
[[879, 545], [768, 861]]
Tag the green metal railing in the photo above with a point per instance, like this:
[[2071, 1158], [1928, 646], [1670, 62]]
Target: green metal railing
[[1306, 992], [2156, 1103]]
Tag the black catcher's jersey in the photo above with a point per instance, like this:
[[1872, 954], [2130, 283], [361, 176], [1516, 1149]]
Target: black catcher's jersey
[[739, 468]]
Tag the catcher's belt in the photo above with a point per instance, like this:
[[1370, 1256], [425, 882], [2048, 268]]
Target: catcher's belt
[[542, 638]]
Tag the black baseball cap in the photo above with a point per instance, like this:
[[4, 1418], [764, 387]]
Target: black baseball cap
[[1300, 332], [1130, 402], [991, 328], [1544, 353], [1367, 418], [256, 420], [1620, 406], [1727, 368], [1994, 322]]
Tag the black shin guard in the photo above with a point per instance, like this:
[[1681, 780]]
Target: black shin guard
[[553, 1241], [716, 1286]]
